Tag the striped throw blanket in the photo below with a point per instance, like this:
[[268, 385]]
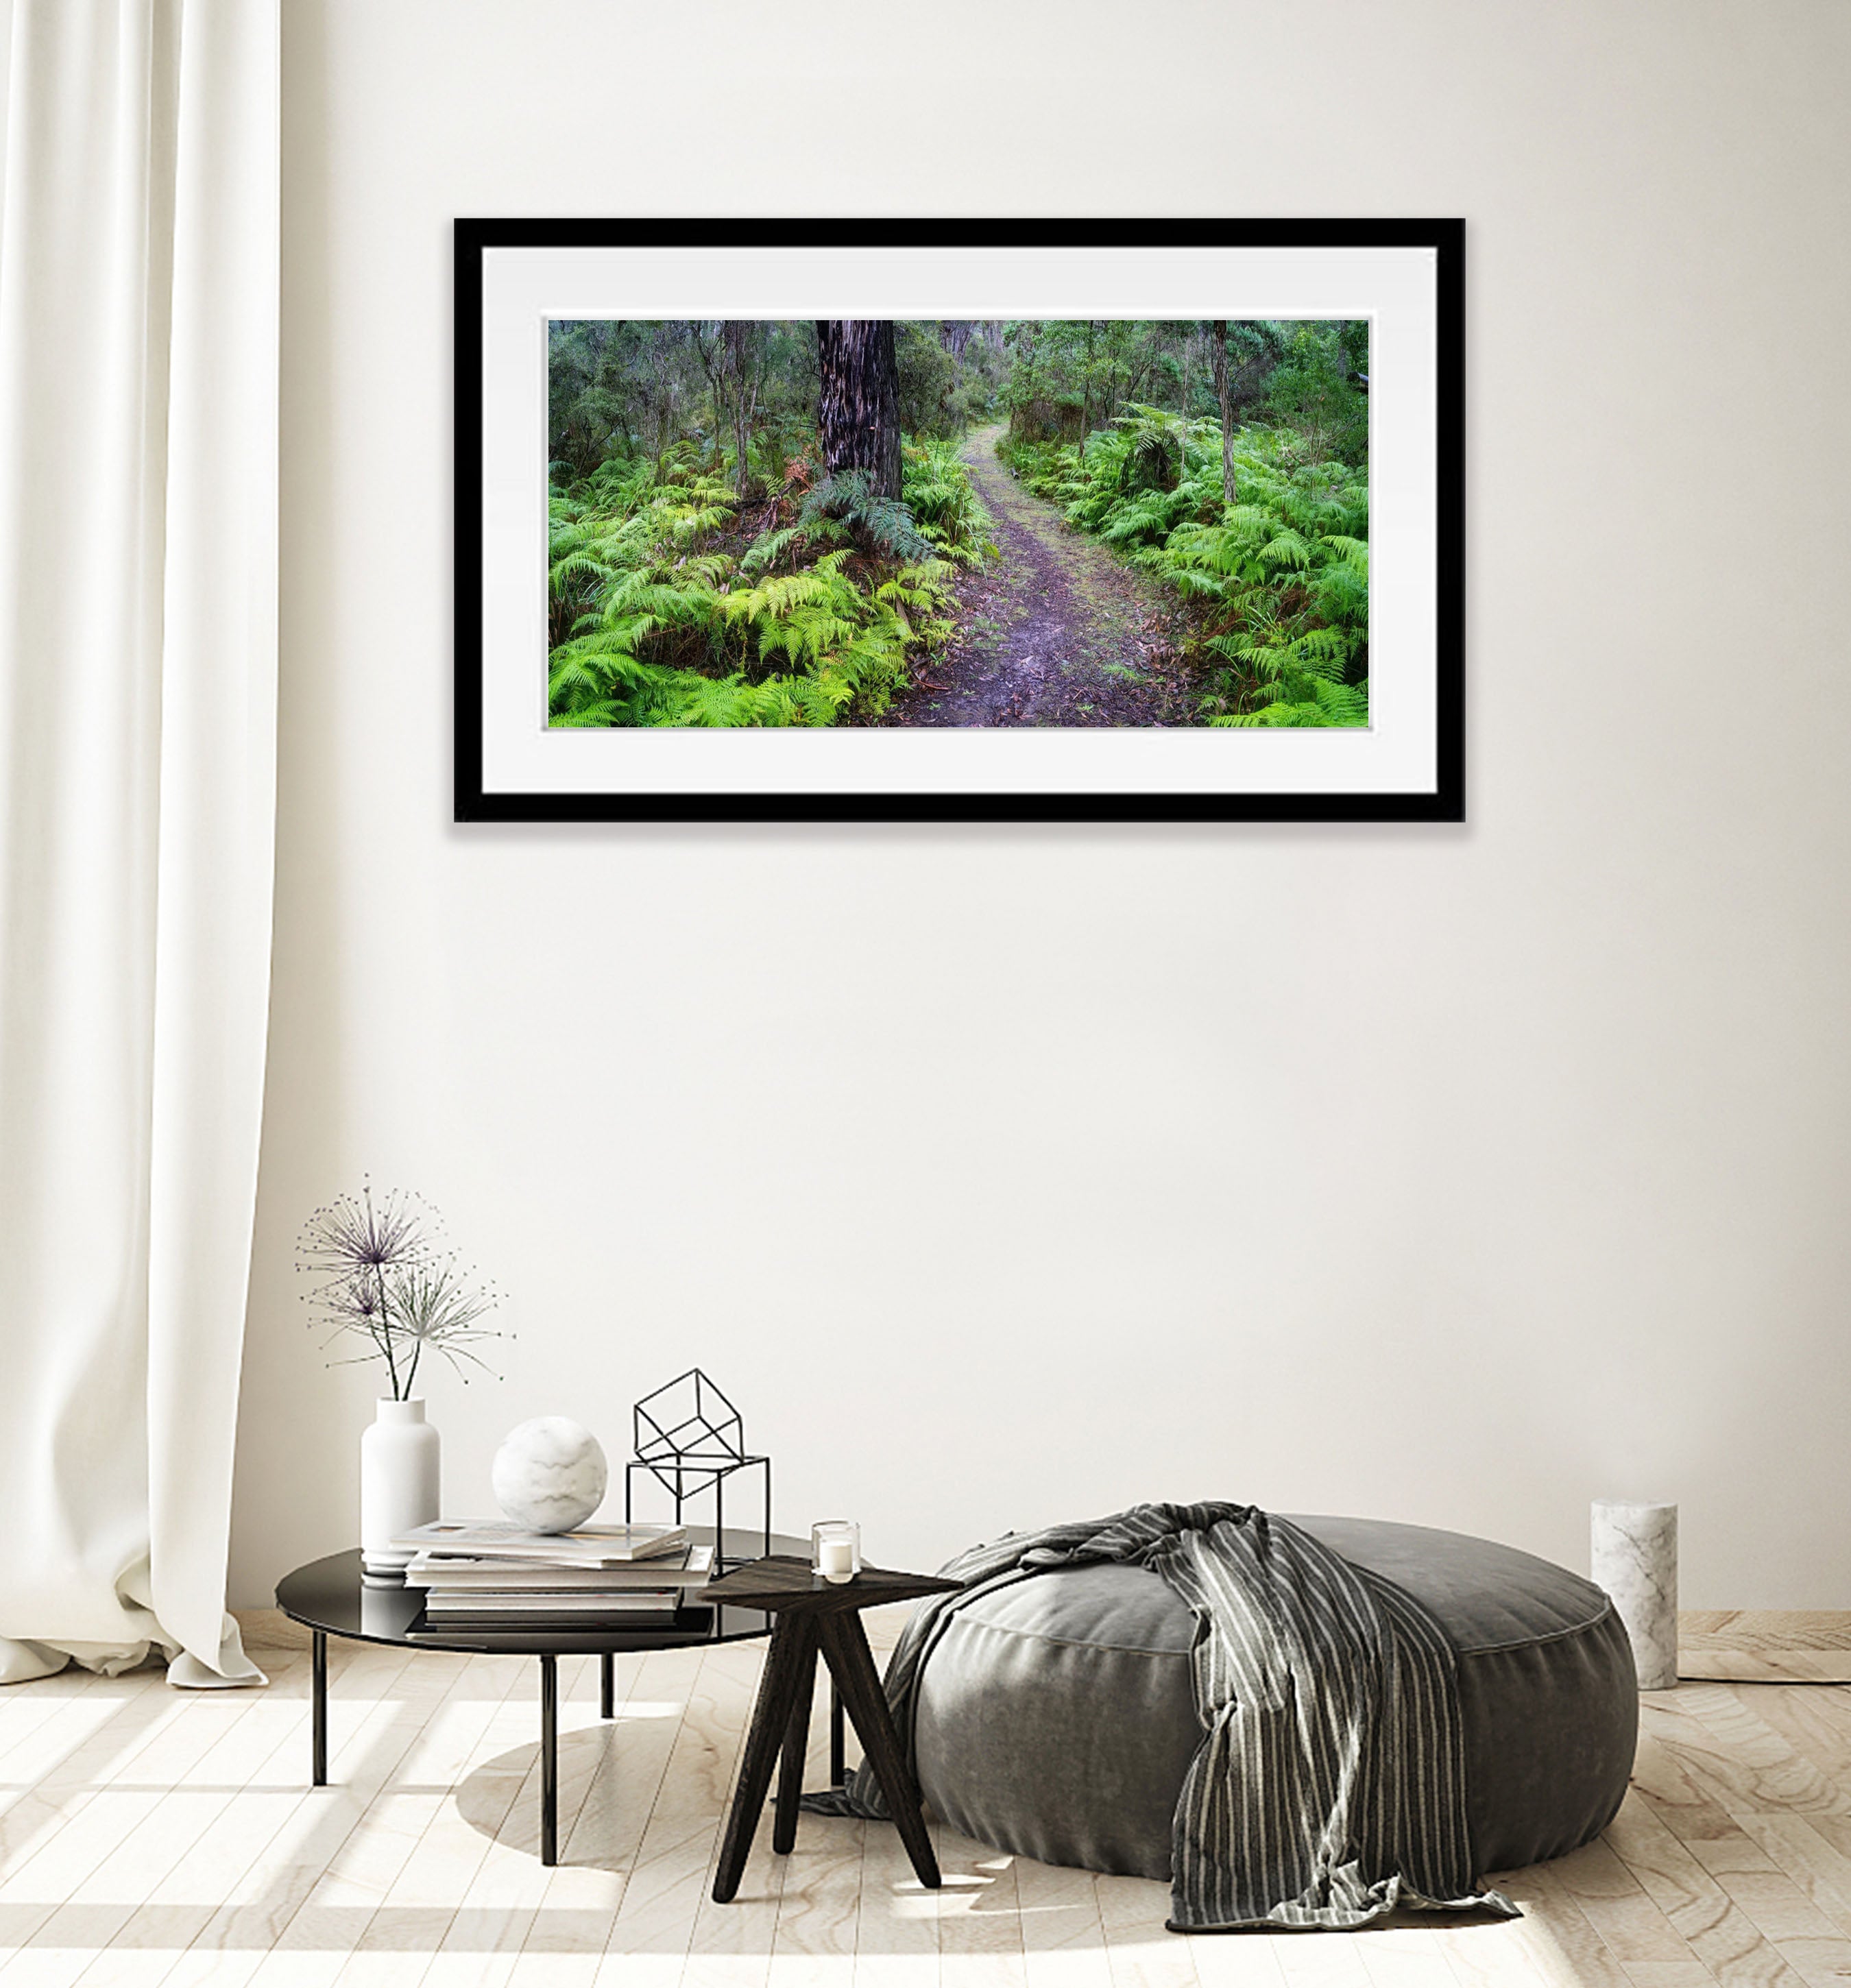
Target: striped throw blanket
[[1329, 1787]]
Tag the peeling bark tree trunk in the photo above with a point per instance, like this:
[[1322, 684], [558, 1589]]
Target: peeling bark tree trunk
[[857, 411], [954, 335], [1227, 409]]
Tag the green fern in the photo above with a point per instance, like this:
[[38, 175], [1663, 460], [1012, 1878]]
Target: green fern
[[885, 523], [768, 547], [659, 618]]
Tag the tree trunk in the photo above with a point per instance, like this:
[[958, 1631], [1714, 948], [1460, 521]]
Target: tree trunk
[[857, 411], [736, 335], [954, 335], [1227, 409]]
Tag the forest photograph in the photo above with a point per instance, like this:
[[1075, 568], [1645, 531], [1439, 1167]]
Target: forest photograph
[[958, 522]]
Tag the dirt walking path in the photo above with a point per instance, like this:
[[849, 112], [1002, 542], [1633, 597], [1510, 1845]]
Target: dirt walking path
[[1058, 631]]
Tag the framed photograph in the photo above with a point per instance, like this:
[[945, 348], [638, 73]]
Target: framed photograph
[[982, 521]]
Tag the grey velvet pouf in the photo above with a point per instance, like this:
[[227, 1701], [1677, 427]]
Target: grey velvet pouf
[[1057, 1716]]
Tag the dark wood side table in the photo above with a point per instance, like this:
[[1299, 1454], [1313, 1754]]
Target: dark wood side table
[[812, 1617]]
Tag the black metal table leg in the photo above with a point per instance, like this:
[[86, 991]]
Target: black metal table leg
[[318, 1711], [838, 1750], [549, 1758], [606, 1684]]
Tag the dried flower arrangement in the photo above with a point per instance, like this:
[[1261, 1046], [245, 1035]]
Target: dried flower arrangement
[[384, 1274]]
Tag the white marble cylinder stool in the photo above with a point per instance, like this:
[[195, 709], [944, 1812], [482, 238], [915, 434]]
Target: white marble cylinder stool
[[1634, 1557]]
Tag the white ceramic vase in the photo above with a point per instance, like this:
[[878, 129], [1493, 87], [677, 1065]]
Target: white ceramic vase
[[400, 1470]]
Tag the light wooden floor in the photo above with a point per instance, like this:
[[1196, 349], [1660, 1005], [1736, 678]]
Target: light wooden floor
[[1793, 1646], [153, 1836]]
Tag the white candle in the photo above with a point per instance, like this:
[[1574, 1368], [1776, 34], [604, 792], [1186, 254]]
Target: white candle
[[835, 1560]]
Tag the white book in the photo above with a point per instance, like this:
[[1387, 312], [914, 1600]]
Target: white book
[[584, 1546], [638, 1601], [442, 1574]]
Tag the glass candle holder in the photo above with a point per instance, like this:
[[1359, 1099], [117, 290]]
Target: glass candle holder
[[835, 1549]]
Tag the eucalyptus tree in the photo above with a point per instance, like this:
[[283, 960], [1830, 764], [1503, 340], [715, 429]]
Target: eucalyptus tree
[[1225, 398], [858, 412]]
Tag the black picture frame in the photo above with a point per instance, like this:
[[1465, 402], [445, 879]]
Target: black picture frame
[[1444, 801]]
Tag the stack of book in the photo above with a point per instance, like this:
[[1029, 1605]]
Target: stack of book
[[481, 1574]]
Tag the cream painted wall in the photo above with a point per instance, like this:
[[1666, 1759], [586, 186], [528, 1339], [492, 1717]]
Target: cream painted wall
[[1459, 1175]]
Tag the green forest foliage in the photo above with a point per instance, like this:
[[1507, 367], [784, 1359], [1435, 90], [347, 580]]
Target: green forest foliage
[[687, 588], [631, 388], [705, 572], [667, 609], [1275, 584]]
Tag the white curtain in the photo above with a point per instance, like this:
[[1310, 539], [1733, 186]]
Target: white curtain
[[139, 281]]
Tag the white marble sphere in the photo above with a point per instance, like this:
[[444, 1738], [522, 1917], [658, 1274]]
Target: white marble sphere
[[550, 1474]]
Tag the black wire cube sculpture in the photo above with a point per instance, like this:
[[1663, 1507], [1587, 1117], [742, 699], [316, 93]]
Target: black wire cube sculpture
[[690, 1438]]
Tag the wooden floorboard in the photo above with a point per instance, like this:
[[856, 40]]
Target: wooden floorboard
[[158, 1839], [1766, 1646]]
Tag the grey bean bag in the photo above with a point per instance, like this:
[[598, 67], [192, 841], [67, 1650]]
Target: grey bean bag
[[1056, 1716]]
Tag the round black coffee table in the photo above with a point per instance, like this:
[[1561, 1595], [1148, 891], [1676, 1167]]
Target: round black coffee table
[[333, 1598]]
